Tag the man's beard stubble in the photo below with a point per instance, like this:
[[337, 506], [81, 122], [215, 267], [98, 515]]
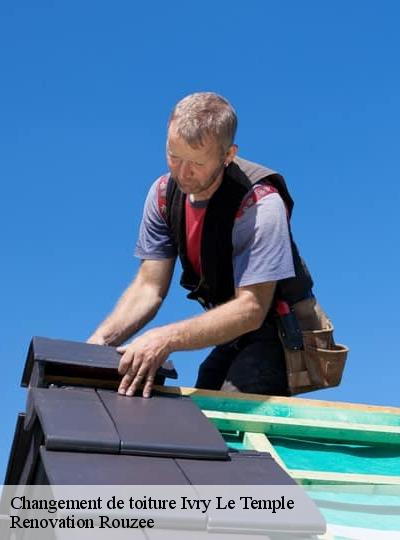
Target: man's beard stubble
[[212, 179]]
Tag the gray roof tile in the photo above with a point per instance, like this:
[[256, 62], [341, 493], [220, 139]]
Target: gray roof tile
[[61, 358], [163, 426], [74, 419]]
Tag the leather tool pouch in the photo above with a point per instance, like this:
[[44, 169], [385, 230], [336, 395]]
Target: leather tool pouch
[[321, 362]]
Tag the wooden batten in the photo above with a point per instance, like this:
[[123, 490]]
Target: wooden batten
[[261, 443], [187, 391], [309, 429], [326, 478]]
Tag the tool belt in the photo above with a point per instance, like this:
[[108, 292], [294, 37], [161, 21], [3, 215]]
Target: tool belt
[[318, 362]]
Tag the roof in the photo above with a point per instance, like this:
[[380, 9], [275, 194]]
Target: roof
[[76, 430]]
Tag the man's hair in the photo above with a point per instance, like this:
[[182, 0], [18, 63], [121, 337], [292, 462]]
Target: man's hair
[[205, 114]]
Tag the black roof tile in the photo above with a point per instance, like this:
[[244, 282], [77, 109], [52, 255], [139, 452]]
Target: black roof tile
[[241, 469], [88, 436], [23, 455], [163, 426], [19, 451], [74, 419], [60, 358], [162, 534], [73, 468]]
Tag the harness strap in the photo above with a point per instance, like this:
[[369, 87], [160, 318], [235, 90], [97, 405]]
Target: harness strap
[[258, 192], [162, 184]]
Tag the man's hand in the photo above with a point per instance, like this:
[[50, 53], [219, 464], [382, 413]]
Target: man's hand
[[96, 340], [147, 353], [141, 359]]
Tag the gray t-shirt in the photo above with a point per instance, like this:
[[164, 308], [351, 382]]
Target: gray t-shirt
[[260, 238]]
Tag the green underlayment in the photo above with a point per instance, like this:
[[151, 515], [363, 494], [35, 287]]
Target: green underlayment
[[234, 440], [343, 458], [297, 411], [360, 499], [321, 456], [316, 455], [362, 520], [355, 508]]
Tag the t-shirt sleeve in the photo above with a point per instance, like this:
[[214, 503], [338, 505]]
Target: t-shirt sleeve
[[154, 240], [261, 243]]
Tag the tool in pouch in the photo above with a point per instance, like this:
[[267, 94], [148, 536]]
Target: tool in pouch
[[313, 360]]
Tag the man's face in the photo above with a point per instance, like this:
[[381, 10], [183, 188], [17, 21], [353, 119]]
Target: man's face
[[197, 171]]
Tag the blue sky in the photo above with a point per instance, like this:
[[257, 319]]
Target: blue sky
[[86, 89]]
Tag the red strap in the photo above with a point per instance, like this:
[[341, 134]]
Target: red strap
[[162, 184], [258, 192]]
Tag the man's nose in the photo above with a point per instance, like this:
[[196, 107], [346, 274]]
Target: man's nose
[[185, 169]]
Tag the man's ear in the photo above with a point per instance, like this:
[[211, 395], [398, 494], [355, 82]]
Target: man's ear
[[230, 155]]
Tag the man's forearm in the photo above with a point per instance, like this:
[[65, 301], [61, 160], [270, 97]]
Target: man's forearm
[[137, 306], [219, 325], [141, 358], [139, 303]]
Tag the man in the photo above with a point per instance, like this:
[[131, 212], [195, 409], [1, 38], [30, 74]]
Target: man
[[227, 219]]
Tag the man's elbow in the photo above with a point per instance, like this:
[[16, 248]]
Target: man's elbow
[[255, 302], [156, 301], [258, 317], [151, 297], [253, 313]]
